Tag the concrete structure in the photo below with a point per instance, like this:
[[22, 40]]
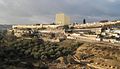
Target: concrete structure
[[96, 25], [20, 30], [35, 26], [61, 19]]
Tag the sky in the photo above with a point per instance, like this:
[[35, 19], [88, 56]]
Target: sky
[[43, 11]]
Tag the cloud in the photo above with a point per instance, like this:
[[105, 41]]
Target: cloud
[[39, 11], [112, 0]]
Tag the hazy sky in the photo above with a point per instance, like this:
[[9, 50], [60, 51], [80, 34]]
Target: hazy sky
[[41, 11]]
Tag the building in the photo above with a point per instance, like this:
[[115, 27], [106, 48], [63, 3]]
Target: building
[[20, 30], [62, 19]]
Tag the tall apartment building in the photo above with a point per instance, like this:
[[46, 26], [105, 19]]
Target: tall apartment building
[[62, 19]]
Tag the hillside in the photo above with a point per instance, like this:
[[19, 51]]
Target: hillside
[[4, 27]]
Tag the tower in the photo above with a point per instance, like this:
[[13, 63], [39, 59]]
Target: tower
[[61, 19]]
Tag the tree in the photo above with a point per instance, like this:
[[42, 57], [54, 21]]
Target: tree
[[53, 23], [2, 34], [84, 21], [66, 27]]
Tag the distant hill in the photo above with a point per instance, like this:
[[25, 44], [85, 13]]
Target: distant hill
[[5, 27]]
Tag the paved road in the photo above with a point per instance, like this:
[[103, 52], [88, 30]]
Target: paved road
[[83, 39]]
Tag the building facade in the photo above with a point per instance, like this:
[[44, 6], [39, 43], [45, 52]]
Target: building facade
[[62, 19], [20, 30]]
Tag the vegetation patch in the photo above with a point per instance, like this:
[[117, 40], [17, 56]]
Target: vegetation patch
[[16, 53]]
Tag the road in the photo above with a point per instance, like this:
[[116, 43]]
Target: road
[[94, 41]]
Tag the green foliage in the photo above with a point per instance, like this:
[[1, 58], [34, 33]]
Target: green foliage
[[2, 34], [36, 49], [66, 27]]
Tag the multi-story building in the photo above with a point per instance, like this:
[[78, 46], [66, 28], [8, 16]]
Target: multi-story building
[[62, 19]]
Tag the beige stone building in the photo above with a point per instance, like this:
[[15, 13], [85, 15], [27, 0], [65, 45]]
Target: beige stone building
[[62, 19], [20, 30]]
